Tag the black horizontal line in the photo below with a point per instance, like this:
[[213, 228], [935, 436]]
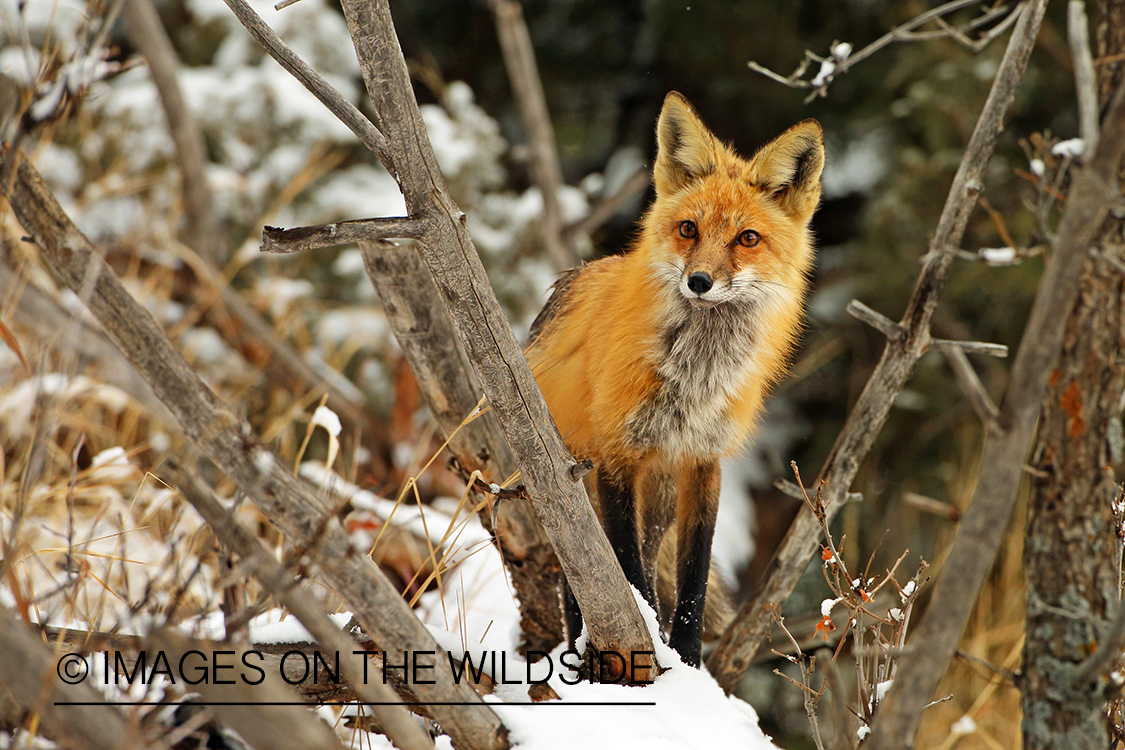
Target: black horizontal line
[[354, 703]]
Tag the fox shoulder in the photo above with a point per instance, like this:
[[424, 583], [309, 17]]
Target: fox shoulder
[[561, 292], [579, 291]]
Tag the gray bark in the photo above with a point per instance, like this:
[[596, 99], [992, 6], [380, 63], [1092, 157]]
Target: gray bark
[[445, 375], [1070, 515]]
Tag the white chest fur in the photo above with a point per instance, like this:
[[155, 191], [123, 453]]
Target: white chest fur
[[703, 357]]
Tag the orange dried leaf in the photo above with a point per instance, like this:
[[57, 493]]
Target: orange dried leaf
[[825, 626]]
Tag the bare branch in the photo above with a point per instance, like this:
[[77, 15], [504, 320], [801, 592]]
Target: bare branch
[[1110, 646], [737, 646], [523, 73], [970, 347], [799, 493], [838, 63], [1078, 34], [421, 322], [930, 505], [1006, 674], [971, 385], [611, 612], [876, 320], [1117, 263], [283, 241], [958, 34], [344, 110], [981, 530]]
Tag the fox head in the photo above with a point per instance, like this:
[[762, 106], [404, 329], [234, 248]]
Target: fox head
[[723, 228]]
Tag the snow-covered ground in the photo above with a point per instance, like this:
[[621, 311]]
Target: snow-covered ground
[[475, 612]]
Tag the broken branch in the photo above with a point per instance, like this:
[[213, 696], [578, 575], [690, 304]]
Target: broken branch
[[283, 241]]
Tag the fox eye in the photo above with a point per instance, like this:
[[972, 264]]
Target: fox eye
[[688, 230], [749, 238]]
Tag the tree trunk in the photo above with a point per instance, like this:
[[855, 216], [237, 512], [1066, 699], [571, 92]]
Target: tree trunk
[[1070, 552]]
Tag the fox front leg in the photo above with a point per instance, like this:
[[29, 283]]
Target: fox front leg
[[619, 517], [695, 517], [656, 500]]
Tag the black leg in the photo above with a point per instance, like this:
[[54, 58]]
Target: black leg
[[619, 517], [656, 511], [695, 516], [573, 615]]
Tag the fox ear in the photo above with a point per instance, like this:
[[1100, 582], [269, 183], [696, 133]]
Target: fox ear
[[685, 148], [790, 167]]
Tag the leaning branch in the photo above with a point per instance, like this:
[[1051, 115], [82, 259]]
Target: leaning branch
[[751, 624], [982, 528], [232, 445], [611, 612], [425, 332], [200, 227]]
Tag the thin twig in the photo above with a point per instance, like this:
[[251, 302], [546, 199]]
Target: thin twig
[[344, 110], [610, 205], [282, 241], [970, 383], [800, 493], [902, 33], [1117, 263], [930, 505], [1006, 674], [1108, 653], [201, 230]]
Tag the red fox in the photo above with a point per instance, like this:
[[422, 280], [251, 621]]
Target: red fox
[[655, 363]]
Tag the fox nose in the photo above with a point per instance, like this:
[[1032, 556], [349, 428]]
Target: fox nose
[[700, 282]]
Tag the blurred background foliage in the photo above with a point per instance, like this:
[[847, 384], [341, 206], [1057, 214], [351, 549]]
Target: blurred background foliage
[[895, 126]]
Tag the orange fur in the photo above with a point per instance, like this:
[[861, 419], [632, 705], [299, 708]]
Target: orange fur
[[598, 360], [655, 364]]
